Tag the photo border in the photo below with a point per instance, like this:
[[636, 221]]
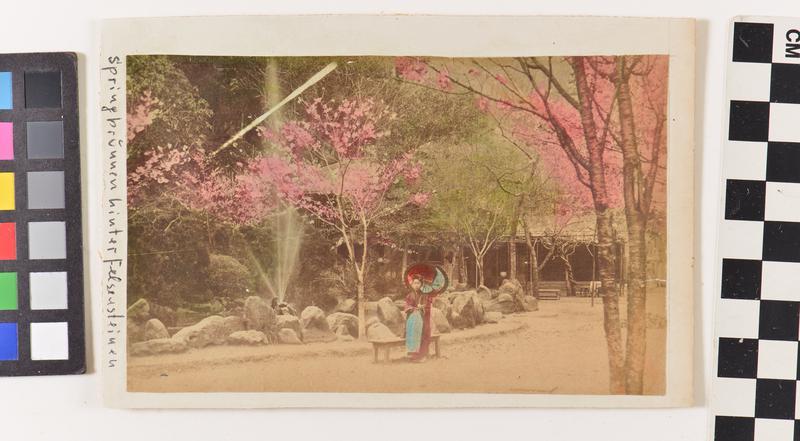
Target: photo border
[[391, 35]]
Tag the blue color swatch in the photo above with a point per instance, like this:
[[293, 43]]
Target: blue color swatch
[[9, 346], [6, 101]]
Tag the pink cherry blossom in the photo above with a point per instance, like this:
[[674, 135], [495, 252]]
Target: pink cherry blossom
[[140, 114]]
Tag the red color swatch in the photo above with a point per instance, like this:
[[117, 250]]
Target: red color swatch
[[8, 241]]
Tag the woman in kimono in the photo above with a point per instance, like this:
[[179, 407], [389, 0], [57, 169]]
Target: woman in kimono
[[418, 321]]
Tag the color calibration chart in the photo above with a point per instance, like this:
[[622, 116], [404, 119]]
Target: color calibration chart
[[41, 257]]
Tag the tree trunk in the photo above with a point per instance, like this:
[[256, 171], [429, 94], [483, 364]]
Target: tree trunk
[[596, 169], [448, 262], [533, 260], [512, 258], [362, 309], [636, 213], [404, 262], [569, 277], [534, 271], [512, 236], [455, 275], [478, 271], [636, 344], [462, 266], [611, 319]]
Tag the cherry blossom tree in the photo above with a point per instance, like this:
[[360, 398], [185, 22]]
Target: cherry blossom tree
[[571, 111], [331, 165], [183, 174]]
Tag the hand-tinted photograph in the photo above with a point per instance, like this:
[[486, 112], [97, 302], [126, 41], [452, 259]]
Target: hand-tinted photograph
[[397, 224]]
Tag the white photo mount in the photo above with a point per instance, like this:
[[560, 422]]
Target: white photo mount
[[386, 35]]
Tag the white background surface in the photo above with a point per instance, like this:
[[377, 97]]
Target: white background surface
[[70, 408]]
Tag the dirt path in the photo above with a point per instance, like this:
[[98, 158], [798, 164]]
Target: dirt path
[[558, 349]]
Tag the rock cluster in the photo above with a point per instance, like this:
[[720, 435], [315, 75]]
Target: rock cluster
[[258, 325], [255, 322]]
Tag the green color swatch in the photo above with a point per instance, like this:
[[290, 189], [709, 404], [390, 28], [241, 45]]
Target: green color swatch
[[8, 291]]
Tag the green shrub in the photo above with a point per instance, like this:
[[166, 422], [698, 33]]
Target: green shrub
[[227, 277]]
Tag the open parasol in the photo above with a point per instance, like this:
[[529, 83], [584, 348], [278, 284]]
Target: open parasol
[[434, 279]]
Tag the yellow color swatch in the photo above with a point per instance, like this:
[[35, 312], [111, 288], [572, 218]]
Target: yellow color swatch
[[6, 191]]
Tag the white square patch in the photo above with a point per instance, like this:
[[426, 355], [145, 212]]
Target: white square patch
[[777, 359], [780, 281], [735, 397], [745, 160], [774, 430], [749, 81], [782, 202], [737, 318], [741, 239], [784, 122]]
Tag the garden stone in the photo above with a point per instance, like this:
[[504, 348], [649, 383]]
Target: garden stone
[[316, 335], [135, 331], [478, 309], [289, 337], [378, 331], [463, 315], [154, 330], [485, 293], [503, 304], [493, 317], [290, 322], [315, 326], [390, 315], [440, 321], [258, 316], [349, 321], [443, 305], [209, 331], [158, 346], [139, 311], [343, 334], [233, 323], [530, 303], [251, 338], [313, 316]]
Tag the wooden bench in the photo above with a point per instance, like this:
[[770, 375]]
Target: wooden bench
[[387, 345], [549, 294]]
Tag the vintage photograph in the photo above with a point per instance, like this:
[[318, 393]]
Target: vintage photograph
[[405, 224]]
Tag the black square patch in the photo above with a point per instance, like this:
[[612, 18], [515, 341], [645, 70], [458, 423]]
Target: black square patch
[[781, 242], [744, 200], [749, 121], [783, 162], [752, 42], [741, 279], [783, 84], [734, 428], [778, 320], [775, 399], [738, 358]]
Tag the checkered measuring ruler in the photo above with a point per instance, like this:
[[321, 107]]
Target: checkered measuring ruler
[[755, 385]]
